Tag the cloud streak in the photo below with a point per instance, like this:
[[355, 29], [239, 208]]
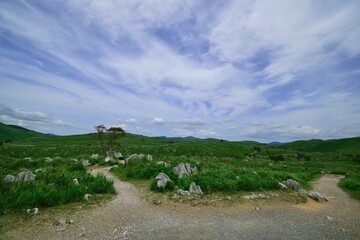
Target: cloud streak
[[185, 66]]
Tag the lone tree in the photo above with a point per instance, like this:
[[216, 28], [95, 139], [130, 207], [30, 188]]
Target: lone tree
[[110, 134]]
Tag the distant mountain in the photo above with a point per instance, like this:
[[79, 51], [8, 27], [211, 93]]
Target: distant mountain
[[318, 145], [275, 143], [13, 132]]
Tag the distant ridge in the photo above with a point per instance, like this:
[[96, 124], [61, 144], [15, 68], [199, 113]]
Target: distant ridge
[[14, 132]]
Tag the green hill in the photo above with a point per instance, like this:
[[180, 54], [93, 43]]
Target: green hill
[[350, 145], [12, 132]]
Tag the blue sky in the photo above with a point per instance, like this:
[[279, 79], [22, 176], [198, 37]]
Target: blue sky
[[255, 70]]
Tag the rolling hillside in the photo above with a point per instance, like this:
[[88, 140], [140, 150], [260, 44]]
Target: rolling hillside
[[12, 132], [316, 145]]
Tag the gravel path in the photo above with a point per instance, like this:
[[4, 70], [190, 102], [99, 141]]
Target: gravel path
[[128, 216]]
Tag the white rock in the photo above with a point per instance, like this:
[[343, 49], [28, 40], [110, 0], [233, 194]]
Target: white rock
[[26, 175], [28, 158], [108, 159], [95, 156], [161, 179], [195, 189], [317, 196], [76, 181], [282, 186], [85, 163], [86, 196], [149, 157], [252, 196], [183, 192], [48, 159], [9, 178]]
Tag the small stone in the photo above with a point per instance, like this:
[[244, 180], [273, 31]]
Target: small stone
[[329, 218], [149, 157], [256, 208], [195, 189], [94, 156], [9, 178], [282, 186], [35, 211], [252, 196], [302, 193], [86, 196], [156, 202], [85, 163], [183, 192], [26, 175], [317, 196], [263, 196], [290, 183], [76, 181], [48, 159]]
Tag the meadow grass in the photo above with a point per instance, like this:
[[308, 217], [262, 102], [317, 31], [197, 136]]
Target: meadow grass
[[228, 167]]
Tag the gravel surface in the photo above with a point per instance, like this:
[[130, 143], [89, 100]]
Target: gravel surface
[[129, 216]]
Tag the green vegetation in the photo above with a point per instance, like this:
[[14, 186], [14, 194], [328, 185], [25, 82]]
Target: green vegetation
[[9, 133], [54, 184], [223, 166]]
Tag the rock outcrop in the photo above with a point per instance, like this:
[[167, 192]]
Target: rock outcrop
[[195, 189], [26, 175], [184, 169], [292, 184], [10, 178], [161, 179], [317, 196]]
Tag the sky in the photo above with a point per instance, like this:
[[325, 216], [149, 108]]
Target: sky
[[276, 70]]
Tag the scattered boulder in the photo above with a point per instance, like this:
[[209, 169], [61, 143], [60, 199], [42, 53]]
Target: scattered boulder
[[161, 179], [28, 158], [184, 169], [34, 211], [292, 184], [252, 196], [76, 181], [108, 159], [163, 163], [114, 154], [302, 193], [48, 159], [95, 156], [86, 196], [282, 186], [317, 196], [26, 175], [134, 157], [10, 178], [195, 189], [85, 163], [149, 157], [183, 192]]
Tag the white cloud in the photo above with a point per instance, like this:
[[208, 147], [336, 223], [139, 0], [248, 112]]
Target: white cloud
[[181, 132], [158, 121], [207, 132]]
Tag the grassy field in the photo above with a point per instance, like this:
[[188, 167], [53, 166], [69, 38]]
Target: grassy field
[[229, 167]]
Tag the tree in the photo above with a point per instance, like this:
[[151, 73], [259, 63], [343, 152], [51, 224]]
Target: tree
[[112, 134]]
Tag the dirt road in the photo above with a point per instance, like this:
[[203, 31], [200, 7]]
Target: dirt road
[[128, 216]]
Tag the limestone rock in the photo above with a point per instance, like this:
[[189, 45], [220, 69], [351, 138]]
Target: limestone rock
[[252, 196], [292, 184], [134, 157], [195, 189], [183, 192], [184, 169], [161, 179], [149, 157], [28, 158], [108, 159], [282, 186], [114, 154], [94, 156], [86, 196], [26, 175], [76, 181], [85, 163], [9, 178], [317, 196], [48, 159], [302, 193]]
